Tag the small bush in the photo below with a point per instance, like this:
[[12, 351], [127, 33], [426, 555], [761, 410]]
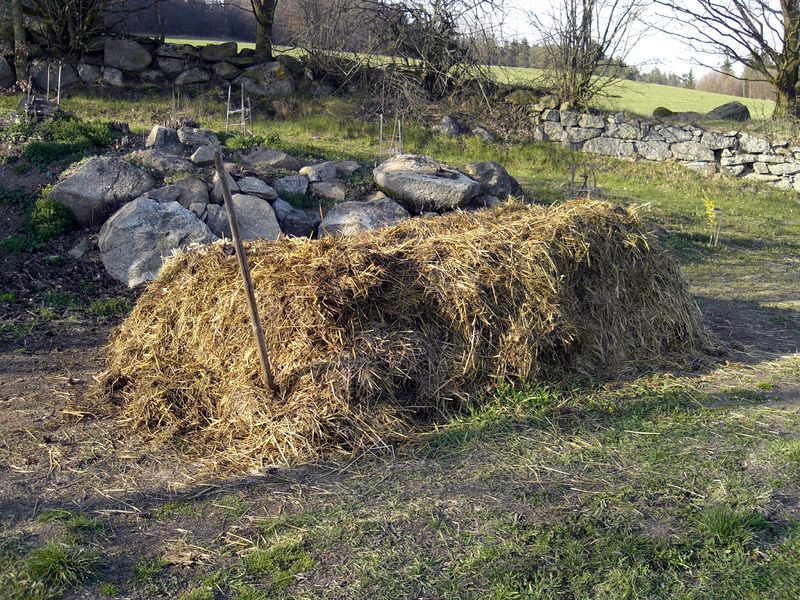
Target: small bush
[[8, 298], [49, 219], [19, 244], [17, 196]]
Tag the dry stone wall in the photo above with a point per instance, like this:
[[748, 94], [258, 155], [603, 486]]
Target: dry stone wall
[[735, 153]]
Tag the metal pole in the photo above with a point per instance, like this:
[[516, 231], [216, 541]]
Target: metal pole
[[255, 322], [58, 97], [228, 110], [244, 126], [380, 144], [48, 82]]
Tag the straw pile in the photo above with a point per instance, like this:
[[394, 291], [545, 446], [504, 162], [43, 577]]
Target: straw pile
[[370, 335]]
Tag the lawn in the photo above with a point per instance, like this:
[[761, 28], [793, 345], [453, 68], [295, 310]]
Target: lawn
[[667, 485]]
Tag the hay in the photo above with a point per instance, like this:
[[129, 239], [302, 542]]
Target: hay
[[371, 334]]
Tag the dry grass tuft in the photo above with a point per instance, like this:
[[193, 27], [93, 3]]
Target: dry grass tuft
[[371, 335]]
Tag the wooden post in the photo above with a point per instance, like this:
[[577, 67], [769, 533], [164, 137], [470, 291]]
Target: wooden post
[[255, 322]]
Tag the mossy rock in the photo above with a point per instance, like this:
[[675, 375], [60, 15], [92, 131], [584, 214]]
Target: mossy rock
[[662, 111]]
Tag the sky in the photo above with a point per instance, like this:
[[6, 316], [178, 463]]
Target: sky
[[654, 49]]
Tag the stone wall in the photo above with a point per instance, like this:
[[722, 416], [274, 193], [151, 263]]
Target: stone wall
[[117, 62], [735, 153]]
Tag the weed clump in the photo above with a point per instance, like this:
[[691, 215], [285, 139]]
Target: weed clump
[[371, 335]]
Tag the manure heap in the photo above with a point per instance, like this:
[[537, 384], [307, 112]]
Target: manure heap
[[371, 335]]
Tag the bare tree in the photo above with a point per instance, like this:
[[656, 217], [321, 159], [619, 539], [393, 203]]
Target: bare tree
[[587, 40], [762, 35], [20, 44]]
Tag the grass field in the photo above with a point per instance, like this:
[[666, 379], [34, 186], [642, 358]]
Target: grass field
[[630, 96], [669, 485]]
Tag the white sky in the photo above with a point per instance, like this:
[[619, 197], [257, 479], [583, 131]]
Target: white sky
[[654, 49]]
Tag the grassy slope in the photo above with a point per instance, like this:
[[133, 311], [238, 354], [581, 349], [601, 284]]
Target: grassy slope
[[630, 96], [663, 487]]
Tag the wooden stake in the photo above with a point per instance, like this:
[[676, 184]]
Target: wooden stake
[[255, 322]]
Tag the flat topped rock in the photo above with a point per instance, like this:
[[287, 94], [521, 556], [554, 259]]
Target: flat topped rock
[[421, 183], [260, 157], [256, 219], [351, 218]]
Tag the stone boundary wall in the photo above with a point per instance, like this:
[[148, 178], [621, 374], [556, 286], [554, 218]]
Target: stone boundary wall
[[116, 62], [734, 153]]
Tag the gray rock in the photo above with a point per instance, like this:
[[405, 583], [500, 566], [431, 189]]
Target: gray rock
[[168, 193], [225, 70], [137, 239], [577, 135], [255, 216], [761, 167], [80, 249], [553, 131], [351, 218], [164, 139], [270, 79], [787, 168], [176, 50], [192, 76], [293, 221], [242, 60], [609, 147], [98, 187], [653, 150], [253, 186], [627, 130], [199, 209], [291, 185], [259, 157], [346, 168], [738, 159], [480, 132], [171, 66], [329, 190], [760, 177], [734, 170], [204, 155], [569, 118], [216, 192], [732, 111], [492, 177], [551, 115], [37, 69], [716, 141], [592, 122], [167, 165], [703, 167], [192, 191], [113, 77], [126, 55], [673, 133], [89, 73], [754, 144], [153, 76], [692, 151], [447, 126], [7, 76], [218, 52], [324, 171], [421, 183]]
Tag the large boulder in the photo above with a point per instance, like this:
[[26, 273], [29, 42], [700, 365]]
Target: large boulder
[[270, 79], [197, 137], [732, 111], [253, 186], [98, 187], [126, 55], [7, 77], [255, 216], [176, 50], [113, 77], [351, 218], [291, 185], [610, 147], [421, 183], [324, 171], [493, 177], [218, 52], [168, 165], [204, 155], [135, 241], [692, 151], [186, 192], [89, 73], [38, 72], [171, 66], [192, 76]]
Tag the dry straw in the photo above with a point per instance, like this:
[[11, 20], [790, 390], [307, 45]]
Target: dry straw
[[372, 335]]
